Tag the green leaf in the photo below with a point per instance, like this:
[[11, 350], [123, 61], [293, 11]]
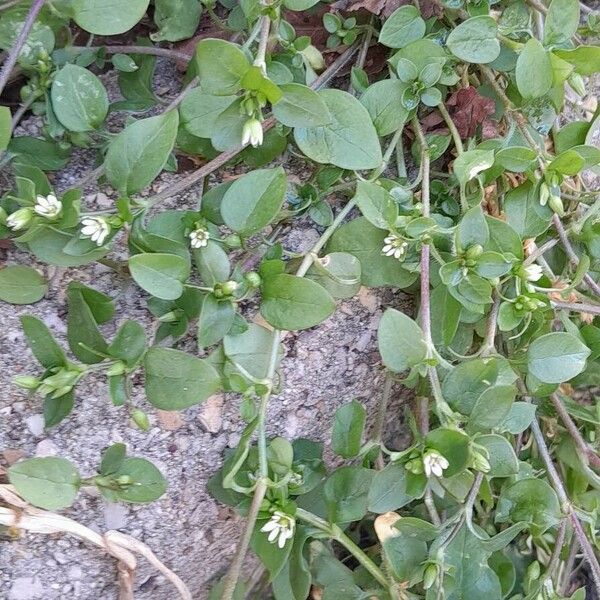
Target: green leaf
[[515, 158], [519, 418], [82, 327], [492, 407], [229, 127], [556, 357], [36, 152], [502, 458], [475, 40], [161, 275], [199, 111], [472, 228], [532, 501], [301, 107], [50, 483], [383, 100], [147, 482], [139, 153], [472, 162], [212, 263], [42, 343], [376, 204], [561, 22], [348, 426], [176, 19], [524, 213], [254, 200], [22, 285], [365, 241], [40, 37], [215, 320], [273, 557], [394, 487], [350, 141], [338, 273], [57, 409], [585, 59], [469, 575], [400, 341], [346, 494], [129, 343], [5, 127], [292, 303], [503, 238], [445, 315], [533, 70], [252, 350], [176, 380], [79, 99], [221, 66], [107, 17], [112, 459], [569, 162], [402, 27]]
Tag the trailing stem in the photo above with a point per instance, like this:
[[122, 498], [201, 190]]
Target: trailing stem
[[13, 55]]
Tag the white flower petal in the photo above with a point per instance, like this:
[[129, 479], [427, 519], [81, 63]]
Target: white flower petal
[[273, 535]]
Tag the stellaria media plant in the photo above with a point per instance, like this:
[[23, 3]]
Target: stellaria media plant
[[450, 171]]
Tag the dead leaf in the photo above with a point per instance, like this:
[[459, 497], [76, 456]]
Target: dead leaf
[[469, 109]]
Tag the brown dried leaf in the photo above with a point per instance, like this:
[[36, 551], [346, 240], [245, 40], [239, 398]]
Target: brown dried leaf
[[468, 109]]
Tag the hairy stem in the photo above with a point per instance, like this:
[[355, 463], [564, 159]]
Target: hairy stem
[[452, 127], [13, 55], [151, 50], [559, 488], [587, 453], [573, 258]]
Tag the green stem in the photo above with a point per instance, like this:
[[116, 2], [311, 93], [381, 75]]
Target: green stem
[[452, 127], [335, 533], [233, 573]]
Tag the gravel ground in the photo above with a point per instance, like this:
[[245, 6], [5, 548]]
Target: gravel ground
[[324, 367]]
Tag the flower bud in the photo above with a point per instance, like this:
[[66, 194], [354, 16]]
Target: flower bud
[[27, 382], [474, 251], [430, 575], [232, 241], [117, 369], [252, 279], [170, 317], [124, 480], [556, 204], [19, 219], [252, 133], [140, 418], [229, 287], [544, 193], [313, 57]]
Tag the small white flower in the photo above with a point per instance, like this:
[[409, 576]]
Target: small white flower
[[434, 463], [95, 228], [48, 206], [252, 133], [199, 237], [533, 272], [394, 246], [19, 219], [279, 526]]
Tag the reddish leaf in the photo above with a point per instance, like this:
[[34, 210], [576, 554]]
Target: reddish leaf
[[468, 109]]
